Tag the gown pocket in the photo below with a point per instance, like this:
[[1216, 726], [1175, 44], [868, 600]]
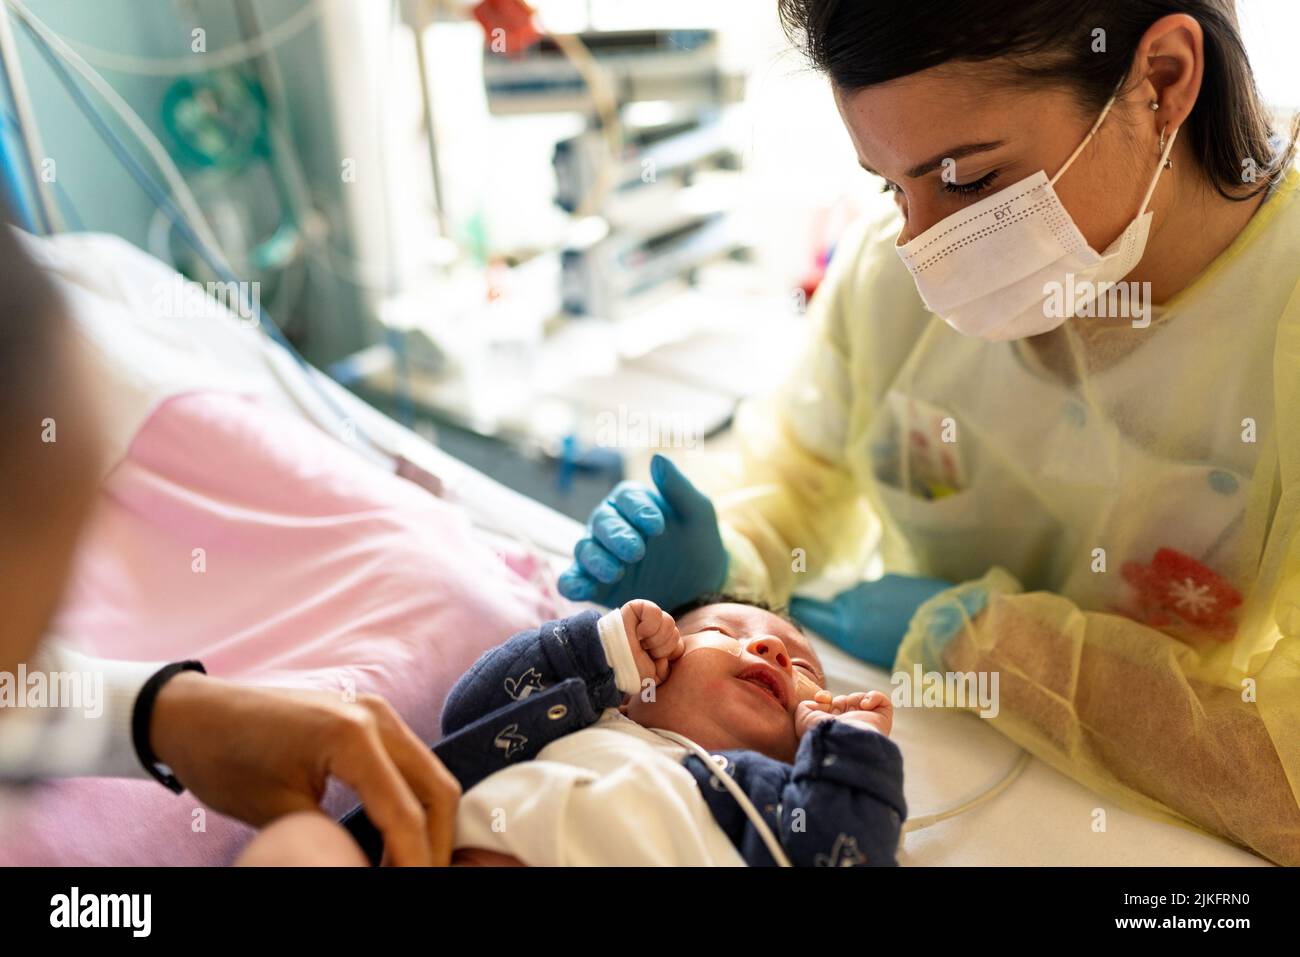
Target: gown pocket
[[961, 535]]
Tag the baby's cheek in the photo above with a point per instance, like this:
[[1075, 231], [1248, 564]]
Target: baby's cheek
[[660, 702]]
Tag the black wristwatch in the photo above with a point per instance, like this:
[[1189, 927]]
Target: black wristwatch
[[142, 715]]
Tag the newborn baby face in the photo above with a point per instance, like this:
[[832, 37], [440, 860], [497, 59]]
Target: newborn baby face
[[737, 683]]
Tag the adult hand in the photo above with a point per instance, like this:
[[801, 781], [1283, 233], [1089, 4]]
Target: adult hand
[[260, 753], [870, 619], [658, 543]]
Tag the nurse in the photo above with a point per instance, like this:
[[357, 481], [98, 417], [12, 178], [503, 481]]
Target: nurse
[[1057, 388]]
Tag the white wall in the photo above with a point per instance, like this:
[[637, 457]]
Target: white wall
[[1271, 31]]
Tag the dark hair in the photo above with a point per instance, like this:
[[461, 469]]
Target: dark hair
[[722, 598], [860, 43]]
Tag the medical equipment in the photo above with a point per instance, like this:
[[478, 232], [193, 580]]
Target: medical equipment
[[719, 762], [419, 14], [221, 123], [57, 52], [188, 219], [929, 820], [226, 56], [280, 257], [390, 450], [514, 42], [643, 65], [618, 273], [11, 178], [655, 99], [47, 207], [769, 839], [665, 199], [667, 146]]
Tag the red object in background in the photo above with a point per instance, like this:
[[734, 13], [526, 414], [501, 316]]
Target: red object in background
[[813, 278], [508, 24], [1176, 587]]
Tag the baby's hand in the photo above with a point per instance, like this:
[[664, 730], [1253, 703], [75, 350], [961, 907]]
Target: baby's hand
[[870, 709], [654, 638]]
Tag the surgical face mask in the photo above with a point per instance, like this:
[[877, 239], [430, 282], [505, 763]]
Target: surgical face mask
[[988, 270]]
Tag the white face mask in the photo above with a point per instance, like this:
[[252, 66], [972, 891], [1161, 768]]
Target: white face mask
[[987, 270]]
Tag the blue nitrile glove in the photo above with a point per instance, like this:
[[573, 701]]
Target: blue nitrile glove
[[869, 620], [658, 543]]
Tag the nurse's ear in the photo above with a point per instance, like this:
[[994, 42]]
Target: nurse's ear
[[1170, 64]]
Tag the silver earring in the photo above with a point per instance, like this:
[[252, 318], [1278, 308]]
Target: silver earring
[[1155, 105], [1169, 163]]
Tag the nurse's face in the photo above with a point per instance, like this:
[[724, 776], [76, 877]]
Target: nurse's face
[[993, 134], [736, 685]]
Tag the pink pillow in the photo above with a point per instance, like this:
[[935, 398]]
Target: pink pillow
[[239, 535]]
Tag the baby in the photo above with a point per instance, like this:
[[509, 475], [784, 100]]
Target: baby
[[567, 740]]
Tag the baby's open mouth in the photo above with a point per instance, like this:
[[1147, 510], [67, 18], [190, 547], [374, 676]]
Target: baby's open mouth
[[768, 680]]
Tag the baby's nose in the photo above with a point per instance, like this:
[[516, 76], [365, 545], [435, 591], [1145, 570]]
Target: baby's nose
[[771, 650]]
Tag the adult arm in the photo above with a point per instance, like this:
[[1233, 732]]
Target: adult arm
[[1132, 712]]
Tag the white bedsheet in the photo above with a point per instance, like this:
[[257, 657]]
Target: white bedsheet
[[144, 355]]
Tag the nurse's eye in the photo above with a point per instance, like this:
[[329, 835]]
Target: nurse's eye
[[973, 188]]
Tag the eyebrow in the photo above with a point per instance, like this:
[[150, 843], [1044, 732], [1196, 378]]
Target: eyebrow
[[932, 164]]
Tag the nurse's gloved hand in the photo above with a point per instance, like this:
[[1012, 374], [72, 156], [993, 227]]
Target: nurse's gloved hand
[[659, 543], [869, 620]]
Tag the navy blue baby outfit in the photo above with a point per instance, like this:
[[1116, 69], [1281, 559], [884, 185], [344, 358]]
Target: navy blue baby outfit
[[840, 804]]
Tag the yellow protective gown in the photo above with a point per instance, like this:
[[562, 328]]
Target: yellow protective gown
[[1127, 498]]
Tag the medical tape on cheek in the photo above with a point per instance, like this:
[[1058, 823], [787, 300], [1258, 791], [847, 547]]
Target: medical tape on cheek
[[714, 641], [804, 687]]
